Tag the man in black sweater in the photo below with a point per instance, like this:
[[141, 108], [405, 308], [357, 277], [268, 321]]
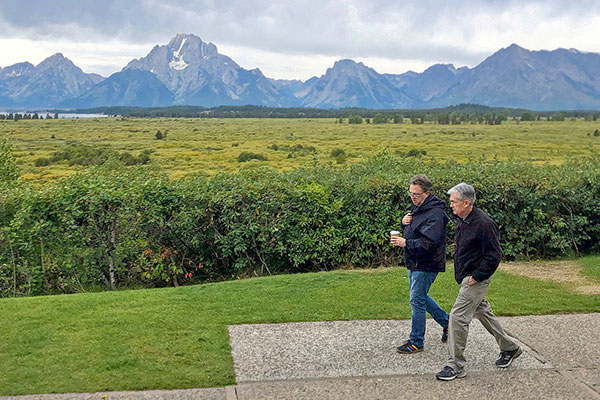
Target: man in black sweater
[[476, 257], [424, 245]]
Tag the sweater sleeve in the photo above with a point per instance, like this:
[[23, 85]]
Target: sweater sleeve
[[490, 250]]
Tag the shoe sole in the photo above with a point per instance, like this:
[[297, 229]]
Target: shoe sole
[[451, 378], [517, 354]]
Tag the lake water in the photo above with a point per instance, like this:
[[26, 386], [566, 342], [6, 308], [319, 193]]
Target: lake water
[[60, 115]]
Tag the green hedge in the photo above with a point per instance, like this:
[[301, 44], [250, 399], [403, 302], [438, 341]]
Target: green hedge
[[115, 227]]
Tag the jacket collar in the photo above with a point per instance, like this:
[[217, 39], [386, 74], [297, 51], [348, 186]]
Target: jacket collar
[[469, 218]]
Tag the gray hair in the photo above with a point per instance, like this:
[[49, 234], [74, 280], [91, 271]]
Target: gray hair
[[464, 191]]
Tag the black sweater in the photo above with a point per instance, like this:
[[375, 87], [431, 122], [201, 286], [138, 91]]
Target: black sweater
[[477, 251]]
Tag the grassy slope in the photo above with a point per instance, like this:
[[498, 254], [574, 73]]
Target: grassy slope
[[177, 338]]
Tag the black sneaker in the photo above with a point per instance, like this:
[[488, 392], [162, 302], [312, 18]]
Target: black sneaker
[[507, 357], [445, 335], [409, 348], [449, 374]]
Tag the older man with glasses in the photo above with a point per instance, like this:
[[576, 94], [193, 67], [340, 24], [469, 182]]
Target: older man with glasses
[[476, 258], [424, 243]]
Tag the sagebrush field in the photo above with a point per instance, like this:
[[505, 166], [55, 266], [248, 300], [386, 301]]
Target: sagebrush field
[[207, 146]]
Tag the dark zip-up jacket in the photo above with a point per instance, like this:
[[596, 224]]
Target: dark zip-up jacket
[[477, 251], [426, 236]]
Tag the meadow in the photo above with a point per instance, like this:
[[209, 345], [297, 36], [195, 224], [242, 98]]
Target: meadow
[[206, 146]]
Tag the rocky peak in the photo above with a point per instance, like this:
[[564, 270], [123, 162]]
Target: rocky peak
[[57, 61], [347, 65], [349, 69], [440, 69], [512, 54], [16, 70], [190, 49], [182, 55], [183, 41], [515, 48]]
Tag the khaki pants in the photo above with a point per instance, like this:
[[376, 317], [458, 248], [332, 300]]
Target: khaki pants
[[470, 303]]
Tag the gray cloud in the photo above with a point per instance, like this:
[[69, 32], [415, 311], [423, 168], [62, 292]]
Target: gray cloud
[[461, 32]]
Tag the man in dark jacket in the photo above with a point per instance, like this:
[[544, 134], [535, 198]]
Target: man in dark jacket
[[476, 257], [424, 242]]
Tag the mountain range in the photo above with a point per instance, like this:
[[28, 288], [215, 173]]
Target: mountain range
[[188, 71]]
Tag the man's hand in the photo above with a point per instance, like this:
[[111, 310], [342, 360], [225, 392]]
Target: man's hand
[[471, 281], [398, 241], [407, 219]]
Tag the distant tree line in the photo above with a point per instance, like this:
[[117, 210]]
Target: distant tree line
[[34, 115], [459, 114]]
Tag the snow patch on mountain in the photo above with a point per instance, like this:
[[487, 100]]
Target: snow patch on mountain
[[178, 63]]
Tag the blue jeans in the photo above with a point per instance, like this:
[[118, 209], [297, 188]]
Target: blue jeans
[[420, 303]]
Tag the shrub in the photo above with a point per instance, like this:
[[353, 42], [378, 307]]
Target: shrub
[[111, 226], [144, 157], [527, 116], [411, 153], [355, 119], [337, 152], [42, 162], [416, 153], [85, 155], [247, 156], [380, 119], [8, 166], [303, 149]]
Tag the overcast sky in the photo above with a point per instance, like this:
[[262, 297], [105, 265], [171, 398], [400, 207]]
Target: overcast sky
[[294, 39]]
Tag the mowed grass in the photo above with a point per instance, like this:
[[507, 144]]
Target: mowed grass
[[177, 337], [591, 266], [208, 146]]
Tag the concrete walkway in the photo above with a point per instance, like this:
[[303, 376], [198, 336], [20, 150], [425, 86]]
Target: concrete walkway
[[357, 360]]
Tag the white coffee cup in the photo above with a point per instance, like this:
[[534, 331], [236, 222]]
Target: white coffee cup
[[394, 233]]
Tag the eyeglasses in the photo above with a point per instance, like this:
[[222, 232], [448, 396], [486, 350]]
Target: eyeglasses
[[414, 195]]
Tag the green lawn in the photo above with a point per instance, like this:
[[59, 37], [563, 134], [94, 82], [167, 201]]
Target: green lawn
[[177, 337], [591, 266]]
